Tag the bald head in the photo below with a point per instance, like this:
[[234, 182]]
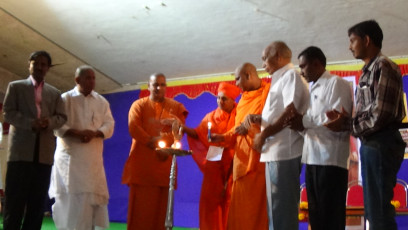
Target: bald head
[[246, 77], [85, 79], [247, 68], [156, 75], [82, 69], [275, 56], [281, 48], [157, 87]]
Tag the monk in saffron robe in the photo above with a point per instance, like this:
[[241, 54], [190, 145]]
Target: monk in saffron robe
[[217, 171], [248, 199], [146, 171]]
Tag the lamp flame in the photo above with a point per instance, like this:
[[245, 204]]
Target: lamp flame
[[209, 124], [162, 144], [176, 145]]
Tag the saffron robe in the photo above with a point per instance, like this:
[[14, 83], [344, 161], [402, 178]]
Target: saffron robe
[[217, 175], [144, 166], [248, 199]]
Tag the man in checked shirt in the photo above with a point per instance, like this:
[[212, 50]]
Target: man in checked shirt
[[379, 112]]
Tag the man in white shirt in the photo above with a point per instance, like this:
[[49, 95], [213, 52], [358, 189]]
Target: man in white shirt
[[325, 152], [78, 180], [281, 147]]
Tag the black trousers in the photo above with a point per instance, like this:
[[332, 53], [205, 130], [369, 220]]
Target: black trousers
[[326, 188], [26, 191]]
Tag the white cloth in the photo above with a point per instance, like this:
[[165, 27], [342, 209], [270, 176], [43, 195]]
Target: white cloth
[[322, 146], [287, 86], [78, 167], [78, 213]]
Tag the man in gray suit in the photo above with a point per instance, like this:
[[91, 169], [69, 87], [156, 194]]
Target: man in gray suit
[[33, 109]]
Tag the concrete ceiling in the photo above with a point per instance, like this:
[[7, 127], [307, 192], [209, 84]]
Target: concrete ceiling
[[127, 40]]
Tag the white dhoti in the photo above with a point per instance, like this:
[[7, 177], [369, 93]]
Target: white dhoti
[[80, 212]]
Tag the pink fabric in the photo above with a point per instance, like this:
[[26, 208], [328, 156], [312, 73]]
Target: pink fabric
[[38, 87]]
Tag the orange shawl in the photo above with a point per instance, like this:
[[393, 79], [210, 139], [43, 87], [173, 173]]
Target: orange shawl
[[246, 159], [221, 123], [144, 167]]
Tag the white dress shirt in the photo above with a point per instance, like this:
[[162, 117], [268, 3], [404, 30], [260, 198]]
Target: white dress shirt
[[323, 146], [287, 86]]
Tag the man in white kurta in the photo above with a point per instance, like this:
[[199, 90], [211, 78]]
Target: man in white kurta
[[325, 152], [78, 180]]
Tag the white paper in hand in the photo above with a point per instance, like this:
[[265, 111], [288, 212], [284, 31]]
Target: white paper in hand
[[214, 153]]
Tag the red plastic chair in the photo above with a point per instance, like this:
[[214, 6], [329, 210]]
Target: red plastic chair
[[355, 198], [303, 193], [400, 193], [355, 195], [303, 205]]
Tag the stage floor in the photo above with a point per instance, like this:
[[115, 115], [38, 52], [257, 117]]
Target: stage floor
[[48, 224]]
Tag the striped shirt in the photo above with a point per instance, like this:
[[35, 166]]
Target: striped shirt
[[379, 97]]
